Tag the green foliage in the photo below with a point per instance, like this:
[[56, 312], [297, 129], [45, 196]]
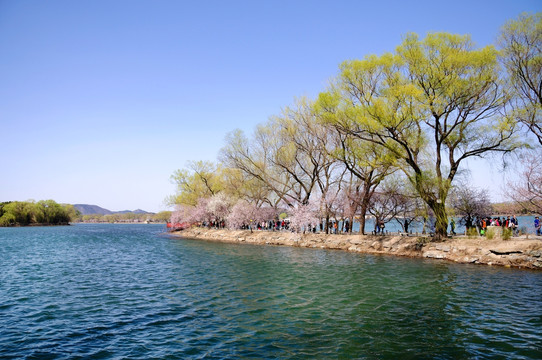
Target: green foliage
[[162, 216], [45, 212], [490, 234], [432, 104], [7, 219], [199, 180], [506, 233], [472, 232], [130, 217], [423, 240]]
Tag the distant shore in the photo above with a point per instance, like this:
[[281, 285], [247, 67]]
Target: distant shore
[[517, 252], [35, 225]]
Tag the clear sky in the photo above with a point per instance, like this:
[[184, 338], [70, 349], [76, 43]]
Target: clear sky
[[101, 101]]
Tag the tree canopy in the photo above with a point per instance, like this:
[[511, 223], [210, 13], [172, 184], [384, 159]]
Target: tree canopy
[[45, 212]]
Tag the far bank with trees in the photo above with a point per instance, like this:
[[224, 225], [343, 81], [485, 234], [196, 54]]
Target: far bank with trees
[[31, 213]]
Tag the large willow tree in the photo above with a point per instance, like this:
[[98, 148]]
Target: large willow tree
[[432, 104], [521, 42]]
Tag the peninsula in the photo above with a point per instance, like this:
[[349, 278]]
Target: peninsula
[[517, 252]]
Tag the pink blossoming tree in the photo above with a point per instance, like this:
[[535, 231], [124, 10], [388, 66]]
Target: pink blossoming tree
[[302, 216]]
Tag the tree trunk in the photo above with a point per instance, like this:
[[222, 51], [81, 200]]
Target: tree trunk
[[363, 211], [441, 221]]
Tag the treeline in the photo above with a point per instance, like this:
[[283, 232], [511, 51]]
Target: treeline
[[129, 217], [44, 212], [388, 138]]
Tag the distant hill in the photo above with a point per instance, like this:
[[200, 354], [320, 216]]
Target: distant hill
[[86, 209], [137, 211]]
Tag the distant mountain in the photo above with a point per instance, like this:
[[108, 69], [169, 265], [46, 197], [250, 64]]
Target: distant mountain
[[138, 211], [86, 209]]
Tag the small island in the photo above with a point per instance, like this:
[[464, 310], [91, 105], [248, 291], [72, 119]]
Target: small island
[[31, 213]]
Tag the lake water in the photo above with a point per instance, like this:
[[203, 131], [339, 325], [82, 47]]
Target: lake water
[[125, 291]]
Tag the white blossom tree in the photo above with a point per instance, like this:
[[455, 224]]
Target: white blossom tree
[[302, 216], [241, 214]]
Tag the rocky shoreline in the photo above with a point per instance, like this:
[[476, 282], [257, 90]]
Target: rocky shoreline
[[518, 252]]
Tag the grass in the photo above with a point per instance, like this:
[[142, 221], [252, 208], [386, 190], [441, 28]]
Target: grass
[[472, 232], [490, 234]]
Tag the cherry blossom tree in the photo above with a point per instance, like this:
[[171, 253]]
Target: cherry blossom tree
[[182, 214], [302, 216], [242, 213], [265, 213], [199, 212], [219, 206]]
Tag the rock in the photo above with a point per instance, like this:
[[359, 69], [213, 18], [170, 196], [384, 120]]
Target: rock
[[442, 247], [470, 259], [504, 252], [434, 254]]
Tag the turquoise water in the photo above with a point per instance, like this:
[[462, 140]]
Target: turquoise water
[[125, 291]]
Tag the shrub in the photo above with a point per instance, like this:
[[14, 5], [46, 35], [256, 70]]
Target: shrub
[[506, 233], [490, 234], [472, 232], [7, 220]]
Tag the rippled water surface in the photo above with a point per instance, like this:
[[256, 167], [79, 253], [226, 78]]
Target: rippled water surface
[[125, 291]]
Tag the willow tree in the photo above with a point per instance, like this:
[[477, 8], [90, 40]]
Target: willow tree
[[432, 104], [255, 159], [311, 155], [288, 154], [240, 185], [200, 179], [521, 42], [364, 161]]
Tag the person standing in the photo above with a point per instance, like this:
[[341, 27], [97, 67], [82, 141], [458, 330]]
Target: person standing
[[452, 226], [514, 224], [537, 225]]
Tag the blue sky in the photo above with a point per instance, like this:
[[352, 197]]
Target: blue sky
[[101, 101]]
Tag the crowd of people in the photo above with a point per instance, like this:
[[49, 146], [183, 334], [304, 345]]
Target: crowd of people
[[279, 225], [481, 224]]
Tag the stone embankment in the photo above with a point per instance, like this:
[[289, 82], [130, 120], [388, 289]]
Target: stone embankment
[[520, 252]]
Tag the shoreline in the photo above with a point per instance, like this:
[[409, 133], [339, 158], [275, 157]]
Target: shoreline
[[516, 252], [35, 225]]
